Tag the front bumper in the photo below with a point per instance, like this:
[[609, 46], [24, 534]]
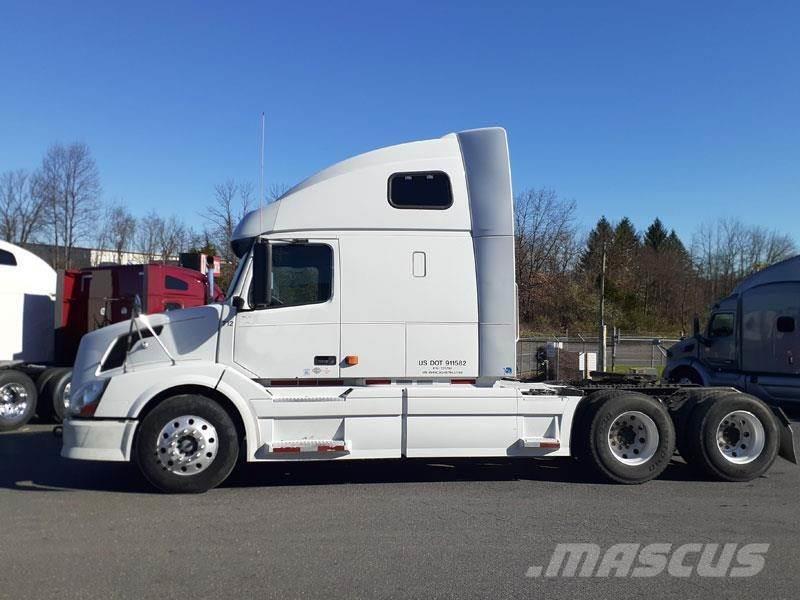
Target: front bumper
[[89, 439]]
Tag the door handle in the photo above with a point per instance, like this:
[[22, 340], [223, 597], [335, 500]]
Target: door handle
[[325, 360]]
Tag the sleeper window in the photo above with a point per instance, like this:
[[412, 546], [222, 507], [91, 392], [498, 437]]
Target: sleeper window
[[7, 259], [422, 190], [173, 283]]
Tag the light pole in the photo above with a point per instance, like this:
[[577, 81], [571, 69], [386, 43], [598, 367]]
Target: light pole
[[601, 343]]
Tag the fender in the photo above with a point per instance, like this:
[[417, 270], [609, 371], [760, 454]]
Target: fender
[[691, 362], [121, 400]]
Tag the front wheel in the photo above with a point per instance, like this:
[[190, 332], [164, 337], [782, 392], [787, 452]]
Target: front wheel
[[734, 437], [187, 444], [686, 376], [631, 437]]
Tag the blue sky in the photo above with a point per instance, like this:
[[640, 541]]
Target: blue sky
[[682, 110]]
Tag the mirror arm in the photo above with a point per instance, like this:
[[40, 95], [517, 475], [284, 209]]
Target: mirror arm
[[262, 274]]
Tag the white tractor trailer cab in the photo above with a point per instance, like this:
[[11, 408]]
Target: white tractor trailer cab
[[373, 315]]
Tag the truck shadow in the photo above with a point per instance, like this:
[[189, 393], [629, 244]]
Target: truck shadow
[[30, 461]]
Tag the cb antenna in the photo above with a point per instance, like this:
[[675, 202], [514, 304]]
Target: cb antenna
[[261, 182]]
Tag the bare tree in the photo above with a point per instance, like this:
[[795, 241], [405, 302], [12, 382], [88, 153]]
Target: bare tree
[[546, 250], [162, 239], [149, 234], [275, 191], [118, 231], [232, 201], [727, 250], [172, 238], [21, 207], [544, 230], [69, 184]]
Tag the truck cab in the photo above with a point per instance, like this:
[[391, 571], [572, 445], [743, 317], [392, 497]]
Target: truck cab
[[751, 340]]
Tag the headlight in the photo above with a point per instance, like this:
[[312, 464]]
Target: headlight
[[83, 401]]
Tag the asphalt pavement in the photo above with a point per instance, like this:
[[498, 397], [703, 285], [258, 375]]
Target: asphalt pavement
[[372, 529]]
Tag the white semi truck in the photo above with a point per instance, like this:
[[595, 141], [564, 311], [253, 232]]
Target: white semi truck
[[27, 299], [373, 315]]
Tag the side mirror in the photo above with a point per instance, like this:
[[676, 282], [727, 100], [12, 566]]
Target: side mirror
[[238, 302], [262, 274], [696, 326]]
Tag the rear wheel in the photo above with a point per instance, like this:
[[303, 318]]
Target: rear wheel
[[187, 444], [733, 437], [54, 386], [692, 399], [17, 399], [630, 437]]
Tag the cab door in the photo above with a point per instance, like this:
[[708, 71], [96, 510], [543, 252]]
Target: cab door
[[298, 335], [720, 350]]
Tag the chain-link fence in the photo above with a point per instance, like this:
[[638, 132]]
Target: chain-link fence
[[623, 351]]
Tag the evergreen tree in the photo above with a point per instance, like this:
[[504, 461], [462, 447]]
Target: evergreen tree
[[626, 244], [624, 270], [675, 245], [656, 235], [602, 236]]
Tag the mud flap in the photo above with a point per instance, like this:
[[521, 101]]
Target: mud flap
[[790, 437]]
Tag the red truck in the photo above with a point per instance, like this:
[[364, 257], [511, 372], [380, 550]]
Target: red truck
[[35, 374]]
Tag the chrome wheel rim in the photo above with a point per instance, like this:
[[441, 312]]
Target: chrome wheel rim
[[65, 395], [633, 438], [13, 401], [740, 437], [186, 445]]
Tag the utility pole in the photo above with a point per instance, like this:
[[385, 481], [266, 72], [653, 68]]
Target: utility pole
[[602, 341]]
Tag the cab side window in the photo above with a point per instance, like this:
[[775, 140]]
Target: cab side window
[[301, 274], [721, 325]]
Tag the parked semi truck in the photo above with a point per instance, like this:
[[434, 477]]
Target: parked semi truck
[[44, 315], [751, 340], [373, 314]]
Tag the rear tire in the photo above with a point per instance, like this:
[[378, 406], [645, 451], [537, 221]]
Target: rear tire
[[732, 437], [17, 399], [187, 444], [682, 415], [52, 393], [630, 437]]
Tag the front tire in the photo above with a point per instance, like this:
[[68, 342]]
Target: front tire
[[733, 437], [686, 376], [630, 437], [187, 444]]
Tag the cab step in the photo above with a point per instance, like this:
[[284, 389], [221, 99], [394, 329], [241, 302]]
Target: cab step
[[308, 447], [540, 442]]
